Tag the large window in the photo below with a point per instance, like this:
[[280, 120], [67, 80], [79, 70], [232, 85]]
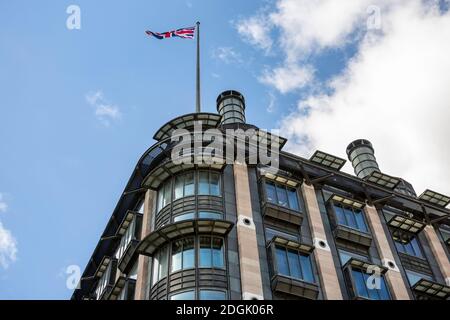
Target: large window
[[160, 265], [183, 254], [104, 281], [350, 217], [189, 184], [186, 295], [201, 215], [282, 195], [188, 253], [410, 247], [294, 264], [126, 238], [211, 252], [365, 288]]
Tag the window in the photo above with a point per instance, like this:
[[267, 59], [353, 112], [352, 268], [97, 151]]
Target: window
[[350, 217], [272, 233], [183, 254], [184, 216], [212, 295], [208, 183], [187, 295], [282, 195], [160, 264], [411, 248], [414, 277], [126, 239], [209, 215], [363, 289], [104, 281], [345, 256], [164, 195], [184, 185], [211, 252], [294, 264]]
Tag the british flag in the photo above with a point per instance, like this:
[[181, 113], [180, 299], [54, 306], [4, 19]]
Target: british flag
[[185, 33]]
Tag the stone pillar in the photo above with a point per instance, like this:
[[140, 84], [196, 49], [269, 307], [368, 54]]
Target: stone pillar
[[393, 276], [143, 261], [438, 252], [251, 281], [322, 252]]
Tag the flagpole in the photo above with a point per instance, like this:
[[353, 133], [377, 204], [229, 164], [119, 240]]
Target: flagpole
[[198, 102]]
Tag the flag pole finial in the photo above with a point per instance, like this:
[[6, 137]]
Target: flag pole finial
[[198, 99]]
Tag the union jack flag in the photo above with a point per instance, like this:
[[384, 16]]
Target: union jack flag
[[185, 33]]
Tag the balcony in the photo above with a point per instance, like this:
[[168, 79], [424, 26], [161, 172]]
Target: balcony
[[282, 214], [124, 289], [431, 290]]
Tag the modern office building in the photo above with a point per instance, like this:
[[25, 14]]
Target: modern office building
[[241, 230]]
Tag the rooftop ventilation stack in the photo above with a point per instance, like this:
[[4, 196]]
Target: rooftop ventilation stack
[[231, 106], [362, 156]]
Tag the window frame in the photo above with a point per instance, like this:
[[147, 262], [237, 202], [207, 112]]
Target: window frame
[[284, 188], [345, 210]]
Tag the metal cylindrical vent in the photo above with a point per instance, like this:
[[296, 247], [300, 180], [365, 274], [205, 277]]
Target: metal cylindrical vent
[[362, 156], [231, 106]]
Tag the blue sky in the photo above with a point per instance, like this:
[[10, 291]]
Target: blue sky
[[79, 107]]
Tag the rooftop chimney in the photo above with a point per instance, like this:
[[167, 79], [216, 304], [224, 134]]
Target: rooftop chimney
[[231, 106], [362, 156]]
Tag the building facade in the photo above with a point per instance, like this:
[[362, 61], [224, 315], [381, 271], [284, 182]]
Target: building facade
[[238, 229]]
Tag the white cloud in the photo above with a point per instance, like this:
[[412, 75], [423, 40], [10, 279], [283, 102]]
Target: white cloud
[[271, 106], [104, 111], [8, 247], [394, 91], [3, 204], [288, 78], [8, 244], [256, 31], [227, 55]]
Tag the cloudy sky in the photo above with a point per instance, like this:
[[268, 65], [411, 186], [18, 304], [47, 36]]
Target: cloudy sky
[[79, 107]]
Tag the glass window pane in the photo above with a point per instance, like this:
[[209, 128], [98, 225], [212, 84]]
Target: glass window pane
[[178, 190], [282, 196], [414, 277], [189, 186], [384, 292], [218, 253], [282, 263], [205, 252], [340, 215], [215, 184], [177, 251], [360, 222], [160, 198], [351, 221], [416, 248], [167, 196], [305, 262], [373, 293], [187, 295], [163, 256], [203, 184], [188, 253], [271, 233], [212, 295], [294, 264], [271, 192], [409, 249], [360, 284], [399, 246], [293, 199], [184, 216], [155, 273], [209, 215]]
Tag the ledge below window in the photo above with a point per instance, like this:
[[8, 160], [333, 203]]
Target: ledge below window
[[295, 287], [124, 264], [432, 289], [352, 235], [283, 214]]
